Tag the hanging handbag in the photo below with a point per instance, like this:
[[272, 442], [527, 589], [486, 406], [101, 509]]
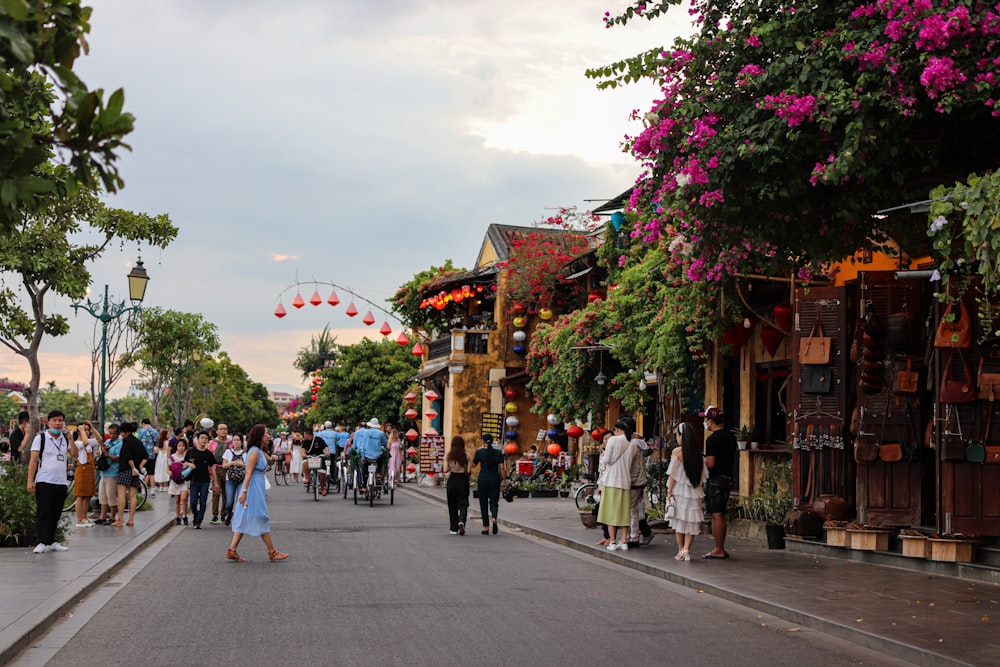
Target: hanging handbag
[[888, 452], [817, 349], [952, 441], [954, 390], [817, 379], [989, 383], [906, 381], [866, 444], [954, 330], [897, 332]]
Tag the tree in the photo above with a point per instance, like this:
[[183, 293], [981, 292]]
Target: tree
[[368, 380], [227, 394], [75, 406], [47, 112], [406, 302], [47, 255], [130, 408], [121, 343], [315, 355], [169, 341], [782, 128]]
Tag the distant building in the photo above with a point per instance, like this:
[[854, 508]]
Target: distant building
[[282, 399], [138, 389]]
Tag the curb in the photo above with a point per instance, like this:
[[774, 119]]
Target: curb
[[868, 640]]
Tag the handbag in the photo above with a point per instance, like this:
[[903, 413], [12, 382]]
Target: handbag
[[906, 381], [952, 442], [866, 444], [989, 383], [890, 452], [671, 510], [817, 348], [954, 330], [817, 379], [103, 463], [956, 390]]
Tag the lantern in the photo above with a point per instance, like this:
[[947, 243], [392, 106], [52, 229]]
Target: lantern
[[772, 339], [511, 408], [431, 414], [412, 435], [594, 296], [520, 336], [552, 419], [368, 319], [411, 451], [410, 414], [519, 322], [552, 433], [411, 468], [617, 220], [333, 299], [352, 310], [511, 434], [512, 421], [597, 434], [418, 350], [511, 448], [553, 449], [298, 301], [280, 311], [520, 349], [510, 393], [430, 430], [783, 316], [545, 313], [518, 308], [386, 329], [316, 299], [410, 397], [574, 431], [431, 395], [403, 339]]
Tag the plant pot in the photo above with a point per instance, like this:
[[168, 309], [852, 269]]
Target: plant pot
[[545, 493], [588, 519], [952, 551], [775, 536], [564, 494], [916, 546], [754, 445], [742, 444]]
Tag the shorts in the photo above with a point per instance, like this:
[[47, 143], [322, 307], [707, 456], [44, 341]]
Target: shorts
[[126, 478], [717, 494], [107, 491]]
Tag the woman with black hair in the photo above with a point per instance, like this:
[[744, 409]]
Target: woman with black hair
[[456, 467], [686, 477], [616, 486], [250, 515], [491, 471], [131, 470]]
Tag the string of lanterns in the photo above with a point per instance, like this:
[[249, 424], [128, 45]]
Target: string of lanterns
[[456, 295]]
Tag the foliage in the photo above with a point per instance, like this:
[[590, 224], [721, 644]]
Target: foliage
[[75, 406], [773, 498], [406, 302], [46, 111], [314, 356], [130, 408], [17, 506], [535, 274], [227, 394], [367, 380], [781, 128]]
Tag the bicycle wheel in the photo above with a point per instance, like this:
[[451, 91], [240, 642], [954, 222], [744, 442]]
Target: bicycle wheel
[[656, 494], [356, 481], [343, 481], [371, 489], [140, 495], [585, 495], [392, 490], [70, 498], [314, 483]]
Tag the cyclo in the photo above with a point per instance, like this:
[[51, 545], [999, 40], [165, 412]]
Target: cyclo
[[316, 465], [373, 486]]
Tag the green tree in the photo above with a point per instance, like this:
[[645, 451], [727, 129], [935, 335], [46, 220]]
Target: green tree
[[75, 406], [315, 355], [368, 380], [49, 253], [227, 394], [46, 111], [130, 408], [171, 341], [406, 303]]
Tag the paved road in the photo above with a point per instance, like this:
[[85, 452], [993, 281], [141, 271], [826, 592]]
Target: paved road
[[388, 585]]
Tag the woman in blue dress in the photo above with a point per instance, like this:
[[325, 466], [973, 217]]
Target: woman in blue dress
[[250, 514]]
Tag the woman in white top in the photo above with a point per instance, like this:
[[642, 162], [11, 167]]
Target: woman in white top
[[616, 486], [161, 473], [686, 477], [85, 475], [296, 464]]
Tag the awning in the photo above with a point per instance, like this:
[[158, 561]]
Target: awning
[[430, 370]]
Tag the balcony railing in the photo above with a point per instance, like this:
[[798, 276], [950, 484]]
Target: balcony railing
[[439, 348], [460, 342]]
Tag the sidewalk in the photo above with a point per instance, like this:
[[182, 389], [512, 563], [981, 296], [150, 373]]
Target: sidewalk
[[37, 589], [924, 619]]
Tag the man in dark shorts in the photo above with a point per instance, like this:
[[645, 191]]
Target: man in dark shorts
[[720, 453]]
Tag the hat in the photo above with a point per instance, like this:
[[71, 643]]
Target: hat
[[327, 424], [714, 414], [373, 423], [296, 436]]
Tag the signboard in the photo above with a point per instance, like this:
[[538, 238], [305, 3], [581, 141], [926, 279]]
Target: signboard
[[431, 453], [493, 424]]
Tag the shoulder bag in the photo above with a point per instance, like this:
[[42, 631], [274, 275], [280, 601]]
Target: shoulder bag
[[955, 390], [866, 444], [816, 349], [906, 380], [888, 452], [952, 441], [817, 379], [975, 451], [954, 330]]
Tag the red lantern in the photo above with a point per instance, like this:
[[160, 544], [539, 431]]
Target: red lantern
[[431, 395], [597, 434], [518, 308], [298, 301], [403, 339], [333, 299], [783, 316], [410, 397], [430, 430], [418, 350], [386, 329], [411, 451], [411, 414], [511, 448], [316, 299], [510, 393], [431, 414], [368, 319], [412, 435], [772, 339], [594, 296], [574, 431], [553, 449], [280, 311], [352, 310], [411, 468]]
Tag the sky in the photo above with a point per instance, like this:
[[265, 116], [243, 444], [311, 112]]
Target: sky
[[344, 142]]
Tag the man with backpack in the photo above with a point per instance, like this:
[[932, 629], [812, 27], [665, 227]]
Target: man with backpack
[[218, 446], [47, 480]]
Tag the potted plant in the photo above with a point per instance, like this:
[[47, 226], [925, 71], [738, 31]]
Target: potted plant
[[771, 502], [743, 435]]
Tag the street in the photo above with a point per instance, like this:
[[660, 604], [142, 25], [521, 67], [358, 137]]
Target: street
[[388, 585]]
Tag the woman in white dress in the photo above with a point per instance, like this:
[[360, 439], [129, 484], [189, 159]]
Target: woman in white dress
[[296, 464], [686, 477], [161, 473]]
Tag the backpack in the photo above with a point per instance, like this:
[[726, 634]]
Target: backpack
[[220, 449], [177, 471], [235, 473]]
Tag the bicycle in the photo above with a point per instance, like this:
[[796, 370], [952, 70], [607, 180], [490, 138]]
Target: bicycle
[[390, 485], [586, 494], [314, 463], [280, 475], [332, 480], [374, 489], [70, 504]]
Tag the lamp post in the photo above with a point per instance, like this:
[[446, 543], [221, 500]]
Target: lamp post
[[137, 280], [183, 366]]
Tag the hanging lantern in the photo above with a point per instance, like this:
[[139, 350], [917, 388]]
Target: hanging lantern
[[617, 220], [510, 393], [411, 451], [431, 414], [783, 316], [412, 435], [772, 339], [553, 449], [520, 336], [512, 421], [386, 329], [352, 310], [552, 433], [510, 434], [520, 349], [552, 419], [298, 301], [410, 397], [368, 319], [418, 350], [403, 339], [519, 322], [431, 395], [574, 431], [518, 308], [457, 295], [280, 311], [545, 313], [430, 430], [511, 448], [597, 434], [333, 299], [594, 296], [511, 408], [411, 414], [316, 299], [411, 468]]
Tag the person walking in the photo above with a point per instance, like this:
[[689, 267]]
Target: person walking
[[161, 470], [17, 436], [250, 515], [131, 470], [456, 467], [720, 454], [686, 477], [107, 490], [396, 454], [85, 475], [47, 480], [218, 446], [616, 486], [234, 463], [295, 463], [179, 487], [148, 436], [638, 524], [201, 477], [491, 472]]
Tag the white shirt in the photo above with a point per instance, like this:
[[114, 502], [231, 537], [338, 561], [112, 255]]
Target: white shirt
[[50, 469], [84, 450]]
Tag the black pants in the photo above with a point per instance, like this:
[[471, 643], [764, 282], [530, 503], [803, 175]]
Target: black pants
[[489, 499], [49, 499], [458, 499]]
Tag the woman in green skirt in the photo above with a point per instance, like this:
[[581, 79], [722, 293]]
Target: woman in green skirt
[[616, 484]]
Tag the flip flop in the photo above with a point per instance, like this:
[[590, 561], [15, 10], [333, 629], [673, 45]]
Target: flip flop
[[711, 556]]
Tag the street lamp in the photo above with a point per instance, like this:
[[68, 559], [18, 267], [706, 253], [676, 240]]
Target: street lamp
[[137, 280], [183, 366]]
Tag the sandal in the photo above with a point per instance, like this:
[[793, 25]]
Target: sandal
[[276, 555], [117, 524], [233, 556], [603, 543]]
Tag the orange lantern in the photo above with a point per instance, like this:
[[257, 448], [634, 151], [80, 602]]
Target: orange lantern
[[410, 414], [511, 448], [412, 435], [553, 449]]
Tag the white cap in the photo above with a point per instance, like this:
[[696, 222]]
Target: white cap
[[373, 423], [327, 424]]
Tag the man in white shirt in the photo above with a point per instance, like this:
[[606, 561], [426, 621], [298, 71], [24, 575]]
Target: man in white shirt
[[47, 479]]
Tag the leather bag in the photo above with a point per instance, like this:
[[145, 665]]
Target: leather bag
[[817, 349], [952, 441], [989, 384], [992, 454], [954, 390], [897, 332], [890, 452], [830, 507], [865, 446], [817, 379], [906, 380], [955, 329]]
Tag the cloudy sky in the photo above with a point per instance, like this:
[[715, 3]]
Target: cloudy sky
[[343, 141]]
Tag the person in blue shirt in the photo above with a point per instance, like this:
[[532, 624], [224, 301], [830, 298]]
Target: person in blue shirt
[[329, 437], [107, 490], [342, 437], [372, 445]]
